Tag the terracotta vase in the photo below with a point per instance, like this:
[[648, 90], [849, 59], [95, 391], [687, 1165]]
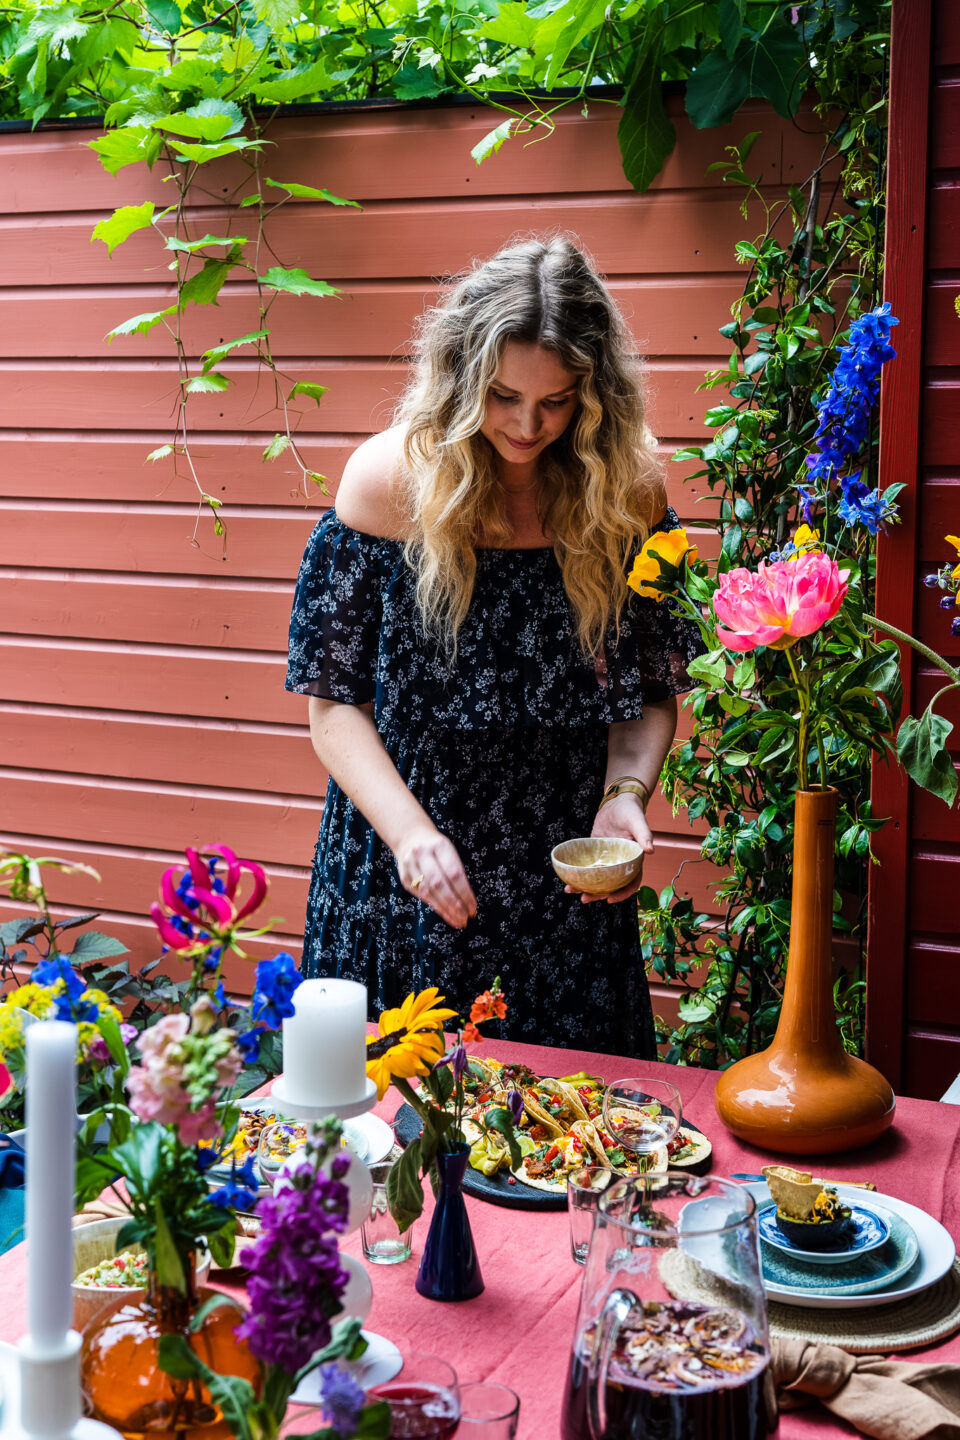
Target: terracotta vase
[[805, 1095], [123, 1383]]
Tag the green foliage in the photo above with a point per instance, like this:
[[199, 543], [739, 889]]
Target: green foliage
[[808, 275]]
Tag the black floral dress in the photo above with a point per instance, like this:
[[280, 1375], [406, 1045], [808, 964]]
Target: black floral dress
[[506, 751]]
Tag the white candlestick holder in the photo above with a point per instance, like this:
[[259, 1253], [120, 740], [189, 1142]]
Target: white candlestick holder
[[41, 1394], [295, 1109]]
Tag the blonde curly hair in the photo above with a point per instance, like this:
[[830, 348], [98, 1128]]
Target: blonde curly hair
[[600, 481]]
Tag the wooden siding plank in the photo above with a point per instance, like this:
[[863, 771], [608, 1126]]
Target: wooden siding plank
[[159, 680], [45, 465], [156, 540], [626, 234], [896, 553], [941, 417], [933, 821], [157, 609], [946, 33], [140, 395], [366, 319], [932, 1061], [942, 326], [273, 759], [943, 225], [945, 124], [934, 980], [379, 154], [934, 891]]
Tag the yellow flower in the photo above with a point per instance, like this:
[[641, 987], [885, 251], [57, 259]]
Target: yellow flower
[[807, 542], [648, 577], [954, 540], [414, 1039]]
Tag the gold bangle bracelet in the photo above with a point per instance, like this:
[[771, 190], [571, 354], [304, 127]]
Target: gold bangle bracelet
[[626, 784]]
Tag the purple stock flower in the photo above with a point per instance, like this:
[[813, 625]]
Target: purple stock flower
[[515, 1102], [342, 1399], [295, 1277]]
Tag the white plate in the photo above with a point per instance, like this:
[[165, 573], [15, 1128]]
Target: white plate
[[370, 1136], [937, 1252]]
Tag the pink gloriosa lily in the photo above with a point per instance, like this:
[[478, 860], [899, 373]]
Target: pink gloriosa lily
[[779, 603], [169, 934]]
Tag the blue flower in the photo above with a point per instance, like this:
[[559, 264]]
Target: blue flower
[[48, 972], [207, 1155], [862, 506], [276, 980], [955, 627], [342, 1399], [810, 502], [212, 959], [248, 1043], [220, 995], [515, 1103], [240, 1191]]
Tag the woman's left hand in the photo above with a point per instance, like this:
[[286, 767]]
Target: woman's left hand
[[621, 819]]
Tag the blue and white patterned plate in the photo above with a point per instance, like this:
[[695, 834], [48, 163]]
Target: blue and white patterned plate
[[868, 1230], [874, 1270]]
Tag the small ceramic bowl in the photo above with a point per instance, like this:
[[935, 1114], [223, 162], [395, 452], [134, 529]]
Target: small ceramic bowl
[[98, 1241], [597, 865]]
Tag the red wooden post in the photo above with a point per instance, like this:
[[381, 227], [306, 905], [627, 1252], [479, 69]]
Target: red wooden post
[[910, 67]]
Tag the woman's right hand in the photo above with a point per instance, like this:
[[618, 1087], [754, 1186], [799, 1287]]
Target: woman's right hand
[[431, 870]]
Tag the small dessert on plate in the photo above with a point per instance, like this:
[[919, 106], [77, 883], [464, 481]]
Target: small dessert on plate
[[810, 1214]]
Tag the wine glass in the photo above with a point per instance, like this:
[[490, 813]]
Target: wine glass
[[642, 1115], [424, 1399]]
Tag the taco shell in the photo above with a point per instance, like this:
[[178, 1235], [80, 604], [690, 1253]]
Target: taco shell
[[795, 1191]]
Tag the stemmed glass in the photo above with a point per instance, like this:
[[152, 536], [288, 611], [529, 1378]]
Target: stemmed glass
[[641, 1115]]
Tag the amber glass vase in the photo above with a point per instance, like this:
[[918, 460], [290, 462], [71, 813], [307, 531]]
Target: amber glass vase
[[123, 1383], [805, 1095]]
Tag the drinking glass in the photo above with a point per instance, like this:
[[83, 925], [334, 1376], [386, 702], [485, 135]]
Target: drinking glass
[[641, 1115], [585, 1185], [671, 1336], [424, 1399], [488, 1412], [382, 1242]]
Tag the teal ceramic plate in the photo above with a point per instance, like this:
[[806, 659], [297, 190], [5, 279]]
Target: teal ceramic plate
[[863, 1273]]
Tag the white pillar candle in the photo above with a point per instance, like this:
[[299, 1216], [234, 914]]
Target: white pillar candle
[[51, 1047], [325, 1044]]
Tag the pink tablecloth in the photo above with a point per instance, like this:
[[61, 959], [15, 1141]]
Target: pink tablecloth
[[519, 1330]]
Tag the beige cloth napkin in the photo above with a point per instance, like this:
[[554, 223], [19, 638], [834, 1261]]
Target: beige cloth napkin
[[885, 1399]]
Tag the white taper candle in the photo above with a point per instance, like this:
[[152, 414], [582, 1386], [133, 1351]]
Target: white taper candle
[[51, 1047], [325, 1043]]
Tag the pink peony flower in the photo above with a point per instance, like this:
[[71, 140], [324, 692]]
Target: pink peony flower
[[779, 603]]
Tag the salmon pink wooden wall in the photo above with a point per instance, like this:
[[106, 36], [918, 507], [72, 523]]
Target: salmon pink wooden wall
[[142, 673]]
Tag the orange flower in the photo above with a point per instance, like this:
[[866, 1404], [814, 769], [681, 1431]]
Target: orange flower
[[471, 1035], [488, 1006]]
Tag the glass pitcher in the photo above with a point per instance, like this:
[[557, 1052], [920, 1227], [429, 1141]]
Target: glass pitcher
[[671, 1340]]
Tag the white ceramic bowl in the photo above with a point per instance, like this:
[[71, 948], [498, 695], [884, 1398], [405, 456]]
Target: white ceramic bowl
[[597, 864], [98, 1241]]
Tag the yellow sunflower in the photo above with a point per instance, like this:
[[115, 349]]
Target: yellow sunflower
[[954, 540], [410, 1039]]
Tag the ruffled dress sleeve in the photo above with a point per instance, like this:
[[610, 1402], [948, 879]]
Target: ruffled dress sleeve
[[336, 616], [655, 647]]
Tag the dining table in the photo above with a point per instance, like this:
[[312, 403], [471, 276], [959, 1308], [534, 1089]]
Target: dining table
[[520, 1329]]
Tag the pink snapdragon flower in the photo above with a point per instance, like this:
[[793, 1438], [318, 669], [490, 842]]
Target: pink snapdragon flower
[[779, 603], [181, 1073]]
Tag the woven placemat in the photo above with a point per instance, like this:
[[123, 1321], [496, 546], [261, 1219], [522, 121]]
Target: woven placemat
[[904, 1325], [908, 1324]]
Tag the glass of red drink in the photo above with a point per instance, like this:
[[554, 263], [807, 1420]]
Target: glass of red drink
[[671, 1337], [424, 1399]]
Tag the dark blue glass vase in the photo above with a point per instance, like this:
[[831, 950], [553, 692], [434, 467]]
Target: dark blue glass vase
[[449, 1269]]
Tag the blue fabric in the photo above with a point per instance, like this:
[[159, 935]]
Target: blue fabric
[[506, 751], [12, 1168]]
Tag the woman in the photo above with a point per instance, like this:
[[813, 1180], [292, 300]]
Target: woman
[[478, 669]]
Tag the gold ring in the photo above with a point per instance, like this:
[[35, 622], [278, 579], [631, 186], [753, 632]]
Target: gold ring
[[415, 884]]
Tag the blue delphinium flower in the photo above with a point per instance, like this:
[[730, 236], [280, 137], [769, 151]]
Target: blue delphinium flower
[[844, 414], [862, 506], [48, 972], [341, 1398], [248, 1043], [276, 980], [240, 1191]]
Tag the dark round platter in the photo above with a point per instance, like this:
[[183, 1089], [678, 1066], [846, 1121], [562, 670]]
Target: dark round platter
[[497, 1188]]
